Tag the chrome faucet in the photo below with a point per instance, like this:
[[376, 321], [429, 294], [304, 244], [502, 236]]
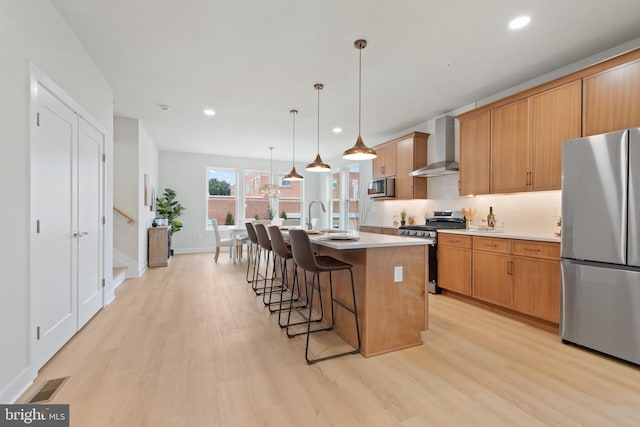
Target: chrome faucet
[[309, 224]]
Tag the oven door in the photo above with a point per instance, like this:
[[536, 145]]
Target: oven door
[[432, 284]]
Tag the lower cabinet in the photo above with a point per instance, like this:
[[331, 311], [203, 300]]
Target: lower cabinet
[[520, 275], [158, 249], [454, 263], [491, 278]]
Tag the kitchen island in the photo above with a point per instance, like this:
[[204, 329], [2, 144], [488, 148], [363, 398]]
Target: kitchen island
[[390, 274]]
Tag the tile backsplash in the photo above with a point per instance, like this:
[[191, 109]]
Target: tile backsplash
[[526, 213]]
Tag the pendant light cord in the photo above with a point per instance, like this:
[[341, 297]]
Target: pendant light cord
[[271, 165], [360, 91], [318, 88]]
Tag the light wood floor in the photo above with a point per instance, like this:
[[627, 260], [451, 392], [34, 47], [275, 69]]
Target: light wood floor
[[190, 345]]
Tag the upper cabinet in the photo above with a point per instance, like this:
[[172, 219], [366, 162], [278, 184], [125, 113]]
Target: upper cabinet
[[612, 99], [515, 144], [398, 158], [385, 164], [509, 147], [475, 150], [411, 154], [556, 116]]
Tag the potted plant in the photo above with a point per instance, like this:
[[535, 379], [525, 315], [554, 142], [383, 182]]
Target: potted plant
[[283, 215], [229, 219], [403, 217], [169, 208]]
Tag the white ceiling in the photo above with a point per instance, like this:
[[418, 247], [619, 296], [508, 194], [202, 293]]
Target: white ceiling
[[254, 60]]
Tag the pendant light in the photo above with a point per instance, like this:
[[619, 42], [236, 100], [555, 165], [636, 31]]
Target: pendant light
[[270, 190], [318, 165], [294, 175], [359, 151]]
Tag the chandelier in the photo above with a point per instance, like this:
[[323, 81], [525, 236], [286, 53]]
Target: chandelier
[[270, 190]]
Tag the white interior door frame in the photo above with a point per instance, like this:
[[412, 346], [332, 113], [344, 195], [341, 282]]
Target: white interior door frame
[[37, 81]]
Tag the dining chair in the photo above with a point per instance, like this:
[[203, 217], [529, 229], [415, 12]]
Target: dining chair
[[226, 242]]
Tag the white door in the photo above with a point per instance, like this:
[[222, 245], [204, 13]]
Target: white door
[[53, 248], [89, 225], [67, 231]]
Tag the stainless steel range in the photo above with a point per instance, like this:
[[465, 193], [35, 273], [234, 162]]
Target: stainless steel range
[[440, 220]]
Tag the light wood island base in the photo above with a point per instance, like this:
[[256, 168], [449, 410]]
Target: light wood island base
[[392, 315]]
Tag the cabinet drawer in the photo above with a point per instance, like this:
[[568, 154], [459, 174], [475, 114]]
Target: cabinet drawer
[[492, 244], [546, 250], [454, 240]]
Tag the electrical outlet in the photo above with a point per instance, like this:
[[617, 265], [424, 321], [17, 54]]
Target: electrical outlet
[[397, 274]]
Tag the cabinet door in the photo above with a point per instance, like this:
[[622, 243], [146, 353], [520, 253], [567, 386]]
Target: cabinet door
[[385, 163], [454, 269], [475, 137], [158, 254], [556, 116], [492, 278], [404, 162], [611, 100], [509, 147], [536, 287], [389, 153]]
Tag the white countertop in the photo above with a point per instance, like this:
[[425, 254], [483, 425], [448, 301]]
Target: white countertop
[[521, 236], [366, 240]]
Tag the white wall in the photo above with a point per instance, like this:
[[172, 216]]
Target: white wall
[[148, 163], [33, 31], [136, 155], [186, 174], [125, 195]]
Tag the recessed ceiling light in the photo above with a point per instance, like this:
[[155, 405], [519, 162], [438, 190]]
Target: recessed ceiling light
[[337, 130], [209, 112], [519, 22]]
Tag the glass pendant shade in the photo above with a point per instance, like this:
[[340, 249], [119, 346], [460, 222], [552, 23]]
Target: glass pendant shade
[[293, 175], [318, 165], [359, 151], [270, 190]]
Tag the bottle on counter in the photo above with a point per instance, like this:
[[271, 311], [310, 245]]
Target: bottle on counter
[[491, 218]]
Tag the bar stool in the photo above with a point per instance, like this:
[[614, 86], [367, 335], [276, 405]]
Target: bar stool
[[305, 259], [283, 253], [252, 253], [264, 250]]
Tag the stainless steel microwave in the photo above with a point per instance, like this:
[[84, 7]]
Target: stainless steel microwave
[[382, 187]]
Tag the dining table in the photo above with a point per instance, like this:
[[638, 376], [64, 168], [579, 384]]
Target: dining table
[[237, 232]]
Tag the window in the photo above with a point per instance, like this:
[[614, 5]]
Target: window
[[344, 198], [290, 201], [221, 196], [284, 183], [255, 205]]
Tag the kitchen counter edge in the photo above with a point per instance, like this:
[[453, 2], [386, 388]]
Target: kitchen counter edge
[[368, 240]]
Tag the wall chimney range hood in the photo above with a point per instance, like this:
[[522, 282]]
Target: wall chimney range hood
[[441, 152]]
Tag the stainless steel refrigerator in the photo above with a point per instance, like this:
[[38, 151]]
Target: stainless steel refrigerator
[[600, 300]]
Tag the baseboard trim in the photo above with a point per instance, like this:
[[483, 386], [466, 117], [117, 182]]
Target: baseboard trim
[[17, 387], [109, 297], [193, 251]]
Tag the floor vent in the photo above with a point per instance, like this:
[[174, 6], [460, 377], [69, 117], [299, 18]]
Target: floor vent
[[48, 390]]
